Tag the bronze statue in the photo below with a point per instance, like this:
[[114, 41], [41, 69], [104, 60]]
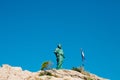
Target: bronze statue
[[59, 56]]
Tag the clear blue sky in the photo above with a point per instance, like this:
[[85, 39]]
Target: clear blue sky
[[30, 31]]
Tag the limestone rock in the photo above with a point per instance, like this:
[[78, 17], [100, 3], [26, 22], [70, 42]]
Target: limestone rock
[[16, 73]]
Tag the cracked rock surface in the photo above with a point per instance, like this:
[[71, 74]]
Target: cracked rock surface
[[16, 73]]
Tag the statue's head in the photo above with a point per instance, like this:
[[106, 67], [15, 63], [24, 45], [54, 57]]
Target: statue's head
[[59, 46]]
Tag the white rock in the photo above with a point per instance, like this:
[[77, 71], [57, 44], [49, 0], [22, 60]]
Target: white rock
[[16, 73]]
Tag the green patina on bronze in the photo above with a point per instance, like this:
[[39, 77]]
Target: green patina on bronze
[[59, 56]]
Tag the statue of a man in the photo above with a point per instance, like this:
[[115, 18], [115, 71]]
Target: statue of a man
[[59, 56]]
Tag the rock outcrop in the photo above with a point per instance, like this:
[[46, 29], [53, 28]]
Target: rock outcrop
[[16, 73]]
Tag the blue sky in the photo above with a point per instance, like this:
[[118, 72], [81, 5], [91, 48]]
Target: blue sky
[[31, 29]]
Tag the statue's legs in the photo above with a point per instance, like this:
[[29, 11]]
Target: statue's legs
[[59, 64]]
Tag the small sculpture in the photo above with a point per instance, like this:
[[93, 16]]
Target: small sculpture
[[59, 56]]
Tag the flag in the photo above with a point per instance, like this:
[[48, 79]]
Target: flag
[[82, 55]]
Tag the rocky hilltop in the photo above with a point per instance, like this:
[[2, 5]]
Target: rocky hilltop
[[16, 73]]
